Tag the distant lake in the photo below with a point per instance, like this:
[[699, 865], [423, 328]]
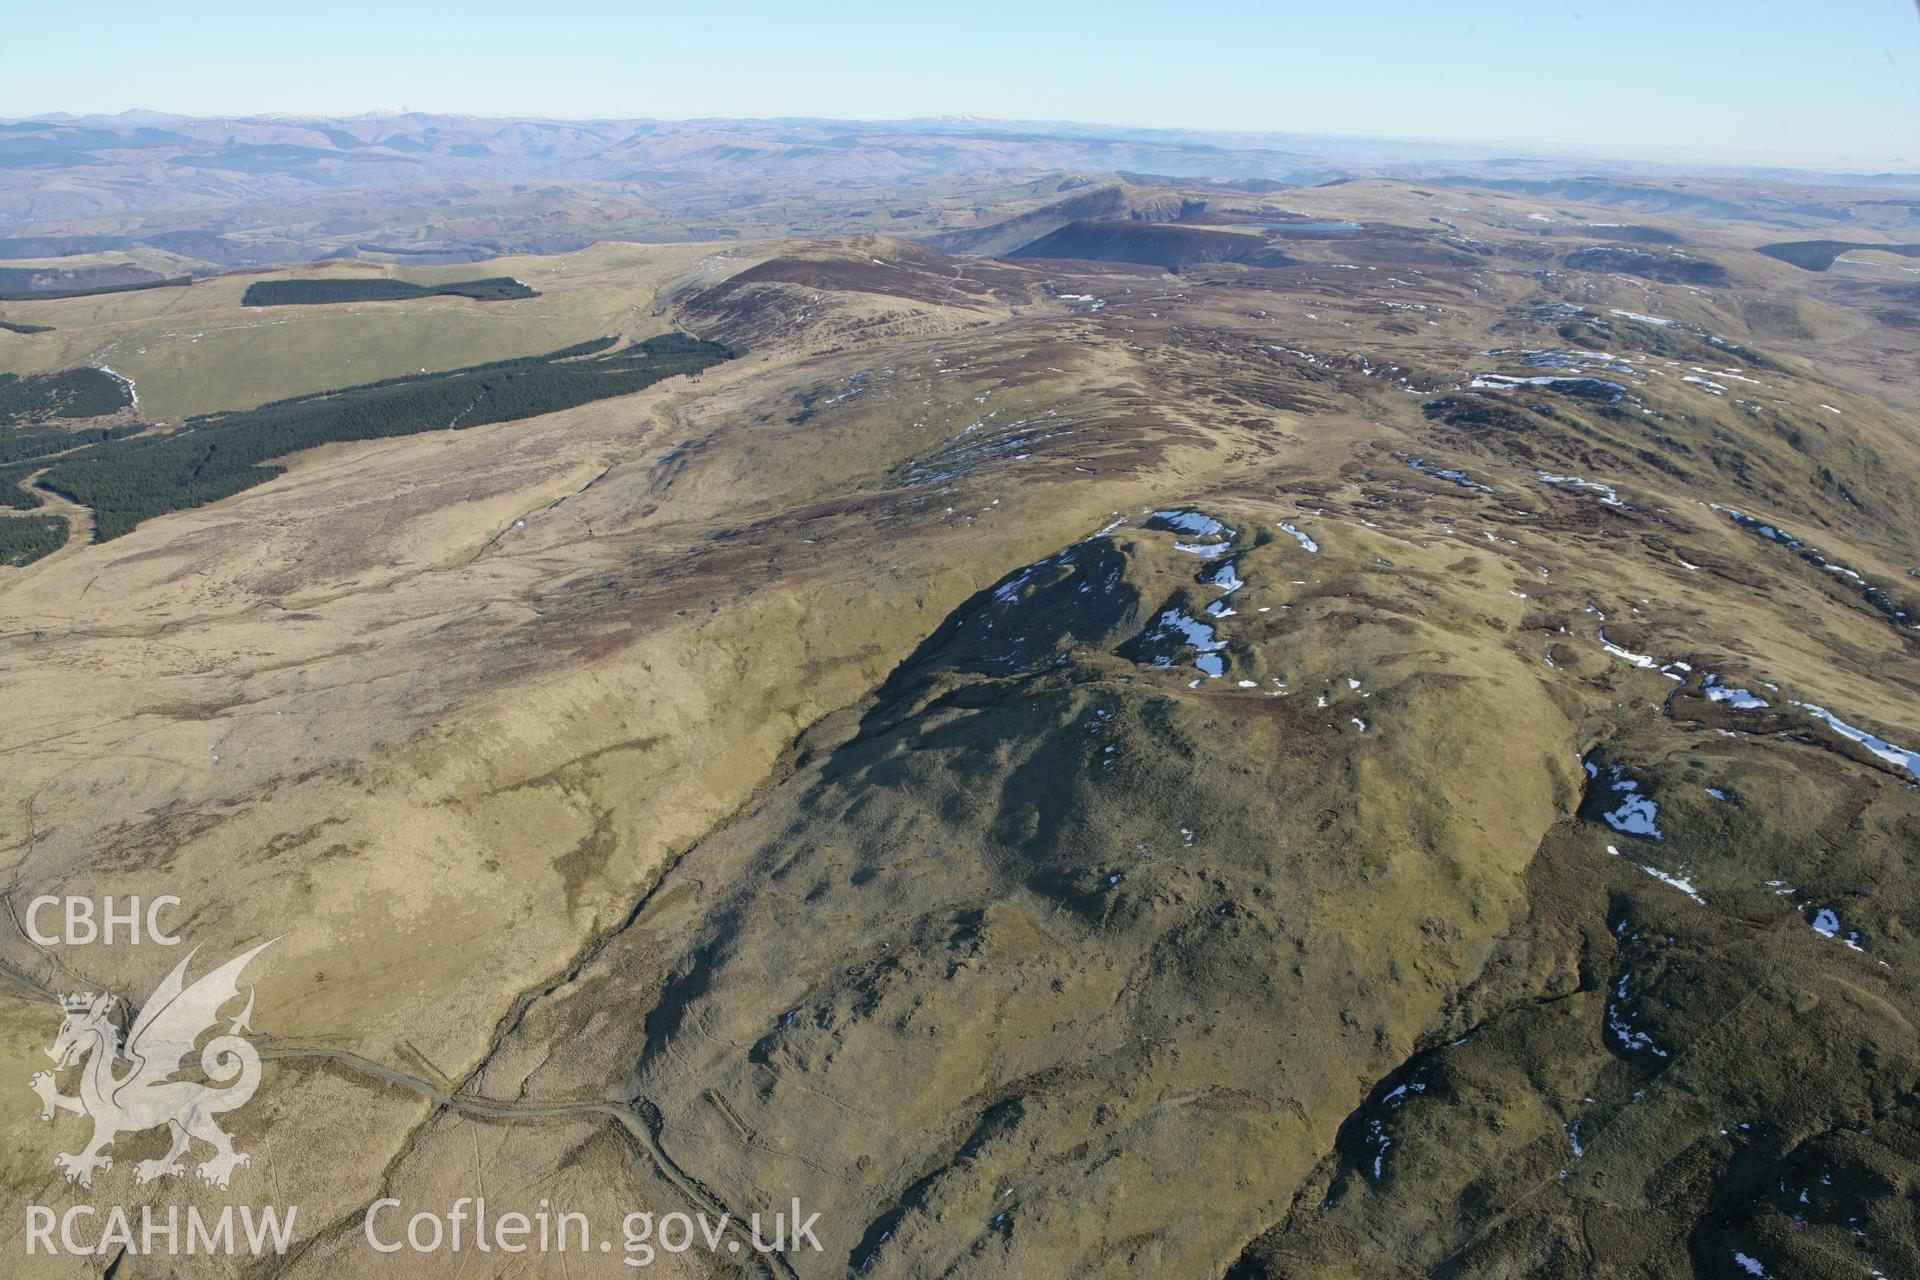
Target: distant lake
[[1304, 226]]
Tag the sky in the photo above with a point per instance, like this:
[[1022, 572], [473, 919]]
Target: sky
[[1822, 83]]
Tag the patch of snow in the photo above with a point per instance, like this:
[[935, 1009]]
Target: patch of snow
[[1827, 924], [1739, 699], [1608, 495], [1299, 537], [1636, 814], [1197, 523], [1009, 592], [1760, 527], [1899, 757], [1637, 659], [133, 396], [1447, 473], [1643, 319], [1681, 883], [1619, 1021], [1197, 633], [1498, 381]]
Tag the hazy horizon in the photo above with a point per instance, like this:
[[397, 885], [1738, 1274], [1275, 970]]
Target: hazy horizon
[[1251, 140], [1736, 84]]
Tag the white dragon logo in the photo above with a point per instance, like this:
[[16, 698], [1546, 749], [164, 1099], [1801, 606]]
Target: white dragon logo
[[145, 1097]]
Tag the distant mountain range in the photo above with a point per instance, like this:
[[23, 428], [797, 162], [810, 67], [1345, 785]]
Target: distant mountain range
[[385, 147], [259, 190]]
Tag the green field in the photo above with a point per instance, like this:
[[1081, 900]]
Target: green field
[[202, 350]]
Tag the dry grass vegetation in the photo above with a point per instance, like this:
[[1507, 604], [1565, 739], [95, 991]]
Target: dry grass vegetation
[[829, 778]]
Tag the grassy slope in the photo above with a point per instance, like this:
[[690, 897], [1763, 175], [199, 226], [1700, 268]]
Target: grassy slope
[[625, 613], [199, 350]]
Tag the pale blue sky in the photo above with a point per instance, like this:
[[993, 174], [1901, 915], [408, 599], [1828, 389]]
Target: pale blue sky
[[1829, 82]]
